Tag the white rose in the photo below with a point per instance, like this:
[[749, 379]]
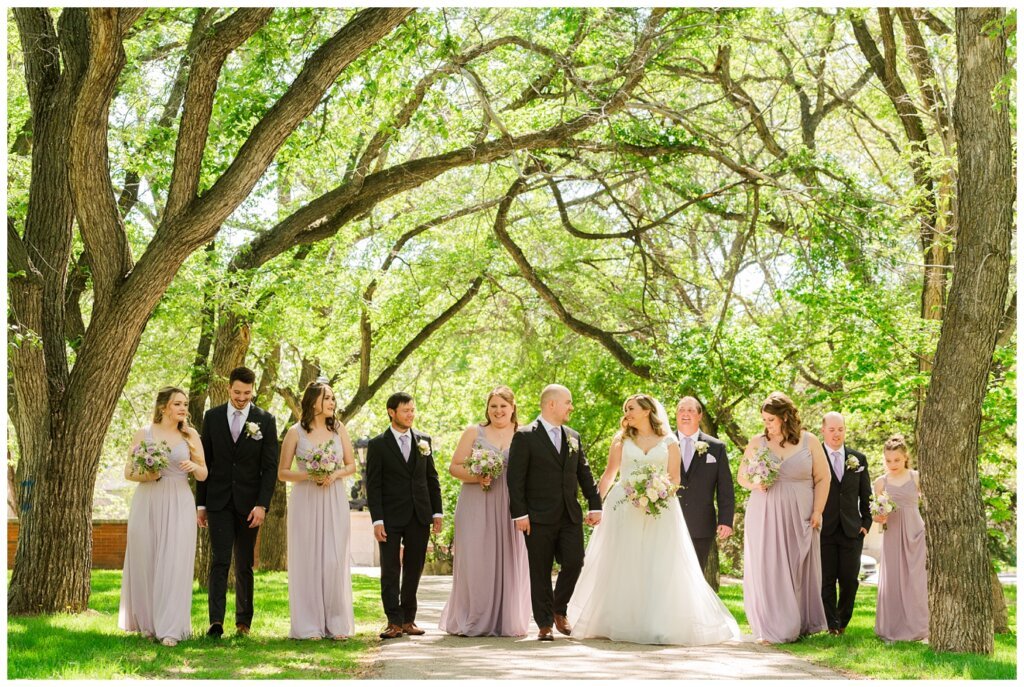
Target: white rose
[[652, 494], [424, 447], [642, 501]]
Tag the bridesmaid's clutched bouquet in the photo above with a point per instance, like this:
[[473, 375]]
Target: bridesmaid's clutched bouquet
[[151, 456], [882, 504], [762, 468], [321, 461], [483, 462], [649, 489]]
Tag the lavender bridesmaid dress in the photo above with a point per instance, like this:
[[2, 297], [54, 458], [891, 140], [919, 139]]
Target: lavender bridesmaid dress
[[319, 578], [902, 580], [156, 587], [782, 556], [491, 580]]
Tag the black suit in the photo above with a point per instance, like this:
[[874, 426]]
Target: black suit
[[708, 477], [405, 495], [846, 511], [242, 476], [542, 483]]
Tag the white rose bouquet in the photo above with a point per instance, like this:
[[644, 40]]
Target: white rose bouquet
[[649, 489], [321, 461]]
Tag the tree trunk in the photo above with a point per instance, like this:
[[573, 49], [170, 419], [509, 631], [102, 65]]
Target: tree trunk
[[274, 530], [711, 573], [1000, 616], [959, 573]]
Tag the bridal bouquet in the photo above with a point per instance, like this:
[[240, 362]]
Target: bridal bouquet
[[881, 504], [649, 489], [150, 456], [321, 461], [762, 467], [483, 462]]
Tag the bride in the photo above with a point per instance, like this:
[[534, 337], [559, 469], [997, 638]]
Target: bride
[[641, 581]]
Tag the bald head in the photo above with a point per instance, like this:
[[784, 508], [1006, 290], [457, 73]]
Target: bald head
[[555, 404], [833, 430]]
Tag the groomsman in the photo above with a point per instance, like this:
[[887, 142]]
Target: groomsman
[[704, 476], [403, 494], [845, 521], [240, 443]]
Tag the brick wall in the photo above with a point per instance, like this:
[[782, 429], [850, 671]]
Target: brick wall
[[108, 543]]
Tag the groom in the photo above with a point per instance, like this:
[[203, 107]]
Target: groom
[[546, 465], [704, 476], [240, 443], [403, 494]]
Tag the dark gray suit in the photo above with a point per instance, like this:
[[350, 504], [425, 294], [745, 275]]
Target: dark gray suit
[[846, 511], [542, 483], [708, 478]]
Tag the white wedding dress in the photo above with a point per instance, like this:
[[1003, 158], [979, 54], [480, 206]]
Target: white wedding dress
[[641, 581]]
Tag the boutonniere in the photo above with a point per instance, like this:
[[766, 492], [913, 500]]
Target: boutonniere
[[423, 446], [574, 444], [853, 464], [252, 430], [701, 447]]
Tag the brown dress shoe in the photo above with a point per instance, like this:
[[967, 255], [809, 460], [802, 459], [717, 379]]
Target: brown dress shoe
[[562, 625], [545, 635], [392, 631], [242, 629], [411, 629]]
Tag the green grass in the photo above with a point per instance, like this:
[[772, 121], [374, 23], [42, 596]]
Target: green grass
[[91, 646], [860, 652]]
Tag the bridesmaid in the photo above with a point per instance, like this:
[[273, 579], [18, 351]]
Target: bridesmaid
[[490, 594], [156, 588], [319, 579], [781, 544], [902, 581]]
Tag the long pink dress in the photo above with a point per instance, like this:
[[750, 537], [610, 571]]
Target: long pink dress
[[490, 594], [319, 577], [156, 587], [902, 579], [782, 556]]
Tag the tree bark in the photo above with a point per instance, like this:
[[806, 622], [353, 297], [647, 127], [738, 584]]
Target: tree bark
[[274, 530], [959, 584]]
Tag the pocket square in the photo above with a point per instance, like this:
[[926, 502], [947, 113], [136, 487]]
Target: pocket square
[[711, 459]]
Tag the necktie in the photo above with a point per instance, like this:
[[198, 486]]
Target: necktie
[[236, 425], [403, 442], [837, 463], [556, 438], [687, 452]]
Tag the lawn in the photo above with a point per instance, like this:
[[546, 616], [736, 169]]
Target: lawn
[[90, 645], [860, 652]]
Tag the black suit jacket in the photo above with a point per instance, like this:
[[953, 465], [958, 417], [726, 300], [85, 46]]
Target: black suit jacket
[[244, 472], [702, 483], [847, 508], [398, 491], [542, 482]]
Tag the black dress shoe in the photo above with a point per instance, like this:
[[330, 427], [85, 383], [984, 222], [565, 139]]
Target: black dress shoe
[[215, 631]]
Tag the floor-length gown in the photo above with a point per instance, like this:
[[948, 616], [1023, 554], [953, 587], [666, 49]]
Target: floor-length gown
[[156, 587], [491, 577], [319, 577], [641, 581], [782, 556], [902, 612]]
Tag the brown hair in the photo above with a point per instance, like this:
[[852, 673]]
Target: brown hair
[[506, 394], [647, 403], [782, 407], [314, 390], [897, 443], [163, 397]]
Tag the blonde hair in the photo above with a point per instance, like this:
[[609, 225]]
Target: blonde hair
[[647, 403], [163, 397]]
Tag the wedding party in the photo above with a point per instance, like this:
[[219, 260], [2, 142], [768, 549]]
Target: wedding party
[[492, 342]]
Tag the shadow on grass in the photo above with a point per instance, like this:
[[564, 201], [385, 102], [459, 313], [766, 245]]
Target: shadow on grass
[[90, 645]]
